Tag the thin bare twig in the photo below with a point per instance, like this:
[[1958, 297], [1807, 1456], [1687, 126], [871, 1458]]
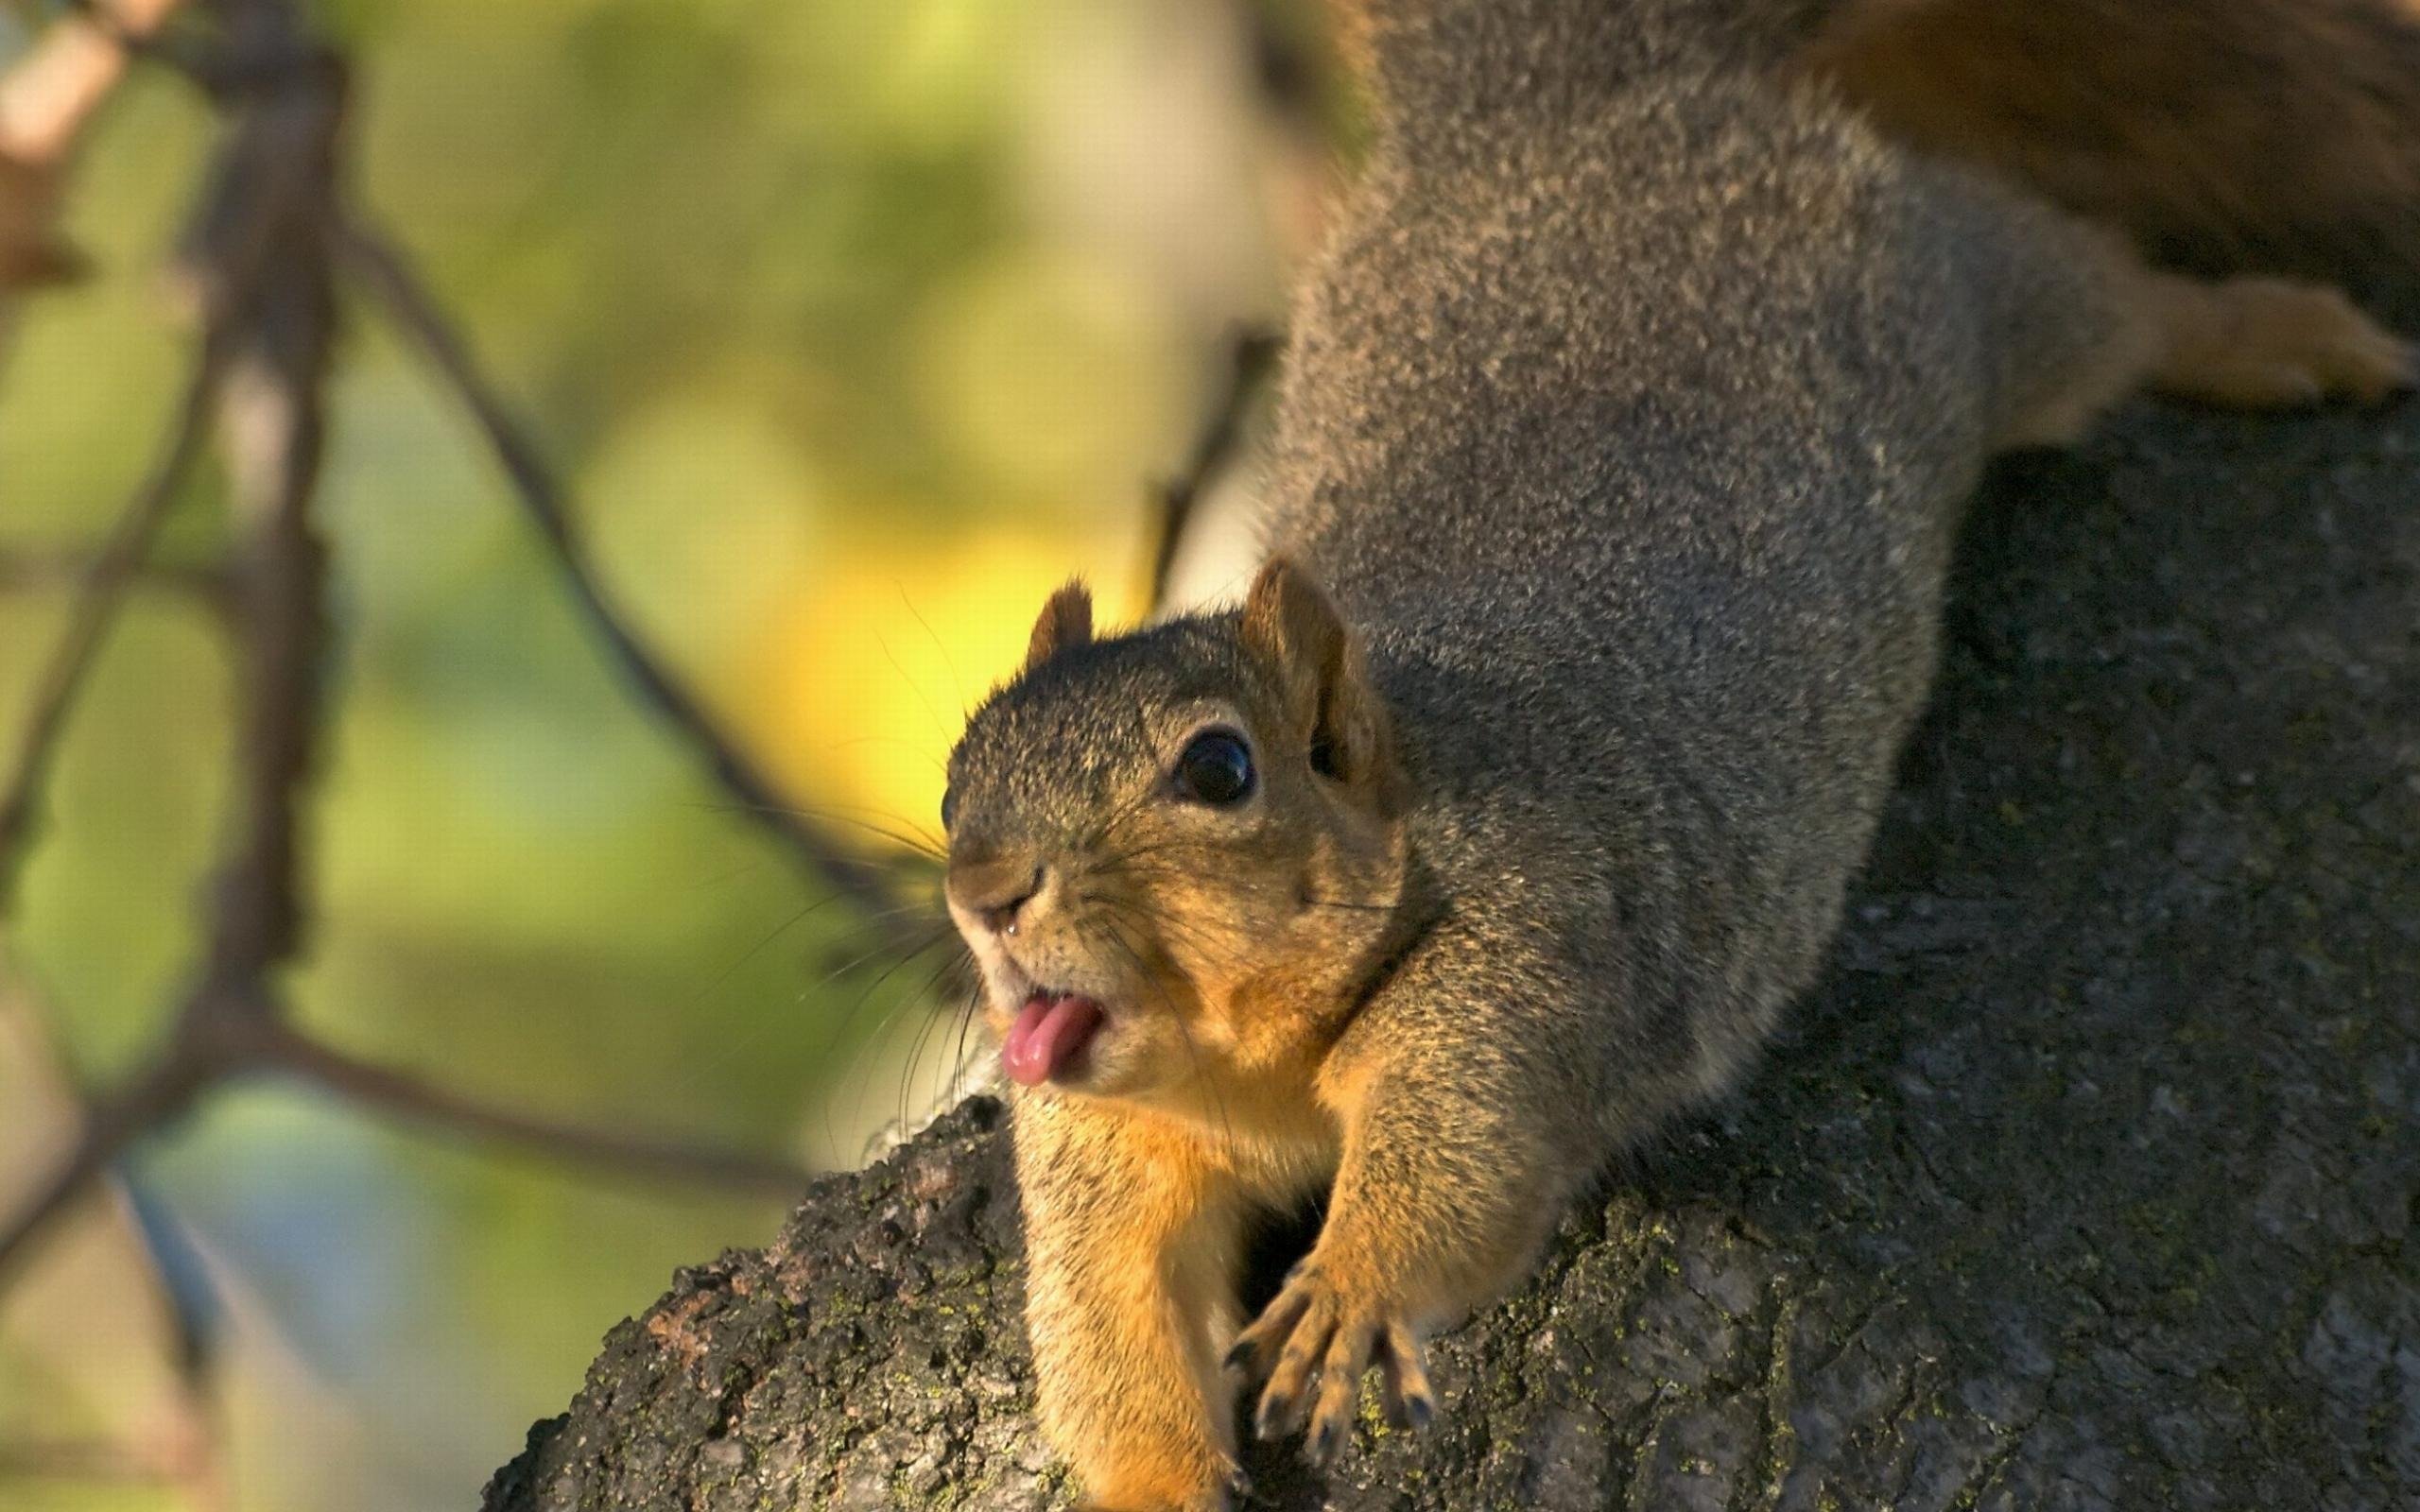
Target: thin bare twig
[[386, 1091], [1251, 355], [43, 569], [260, 261], [155, 1098], [257, 253], [396, 289], [89, 1460], [52, 92], [180, 1448], [98, 598], [47, 99]]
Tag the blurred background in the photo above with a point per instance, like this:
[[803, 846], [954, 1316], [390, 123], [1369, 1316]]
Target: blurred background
[[852, 328]]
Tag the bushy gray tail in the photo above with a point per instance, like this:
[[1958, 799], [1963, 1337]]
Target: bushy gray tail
[[1437, 64]]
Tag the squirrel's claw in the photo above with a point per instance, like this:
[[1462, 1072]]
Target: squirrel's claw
[[1411, 1402], [1314, 1347]]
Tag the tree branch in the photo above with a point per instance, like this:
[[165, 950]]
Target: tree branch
[[57, 87], [258, 264], [407, 1098], [2082, 1179], [99, 595], [388, 277], [256, 254], [46, 101], [153, 1099], [259, 248], [39, 570], [1249, 357]]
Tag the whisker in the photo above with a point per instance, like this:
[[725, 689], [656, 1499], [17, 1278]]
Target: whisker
[[940, 731], [924, 1032], [922, 753], [1100, 832], [1223, 952], [1193, 1051], [971, 1003], [857, 1004], [727, 1048], [1124, 863], [912, 839], [957, 682]]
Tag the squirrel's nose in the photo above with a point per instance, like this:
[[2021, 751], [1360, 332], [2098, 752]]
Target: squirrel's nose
[[995, 891]]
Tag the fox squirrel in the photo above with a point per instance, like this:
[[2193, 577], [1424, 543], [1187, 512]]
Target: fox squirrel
[[1623, 439], [2219, 133]]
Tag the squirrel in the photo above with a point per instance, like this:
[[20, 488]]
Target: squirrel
[[2219, 134], [1624, 435]]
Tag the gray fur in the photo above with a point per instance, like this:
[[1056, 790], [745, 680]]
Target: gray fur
[[1635, 440], [1629, 420], [1633, 437]]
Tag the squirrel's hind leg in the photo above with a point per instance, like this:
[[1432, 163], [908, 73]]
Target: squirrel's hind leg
[[2237, 343], [2258, 343]]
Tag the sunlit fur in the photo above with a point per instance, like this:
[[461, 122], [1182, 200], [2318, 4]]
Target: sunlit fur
[[1628, 418], [2266, 133], [1222, 942], [1229, 946]]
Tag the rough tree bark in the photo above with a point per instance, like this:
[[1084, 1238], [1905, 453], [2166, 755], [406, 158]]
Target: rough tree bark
[[2086, 1179]]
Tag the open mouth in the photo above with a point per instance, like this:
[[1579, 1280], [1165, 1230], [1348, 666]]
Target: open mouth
[[1049, 1037]]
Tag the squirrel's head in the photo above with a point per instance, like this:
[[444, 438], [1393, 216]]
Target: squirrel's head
[[1178, 853]]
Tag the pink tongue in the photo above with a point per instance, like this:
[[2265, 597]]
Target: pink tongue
[[1049, 1033]]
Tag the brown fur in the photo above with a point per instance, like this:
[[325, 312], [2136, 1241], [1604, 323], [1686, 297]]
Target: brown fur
[[2228, 133], [1066, 621], [2239, 343], [1626, 430]]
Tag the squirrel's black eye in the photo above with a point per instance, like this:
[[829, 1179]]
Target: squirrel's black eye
[[949, 808], [1215, 768]]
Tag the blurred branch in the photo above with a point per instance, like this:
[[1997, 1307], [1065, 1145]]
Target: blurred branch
[[99, 594], [1249, 357], [40, 569], [53, 92], [386, 1091], [46, 101], [259, 261], [153, 1099], [78, 1460], [391, 282], [256, 254], [193, 1471], [186, 1454], [224, 1034]]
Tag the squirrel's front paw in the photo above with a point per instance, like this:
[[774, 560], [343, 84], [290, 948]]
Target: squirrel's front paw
[[1313, 1345]]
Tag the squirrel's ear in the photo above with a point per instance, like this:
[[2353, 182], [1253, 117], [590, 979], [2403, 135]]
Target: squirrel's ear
[[1066, 621], [1292, 625]]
